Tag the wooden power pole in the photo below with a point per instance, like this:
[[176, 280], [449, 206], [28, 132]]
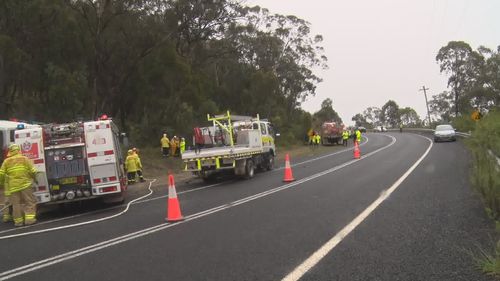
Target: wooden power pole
[[426, 103]]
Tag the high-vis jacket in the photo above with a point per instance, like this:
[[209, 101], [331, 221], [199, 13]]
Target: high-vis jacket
[[358, 135], [17, 173], [165, 142], [345, 135], [132, 163], [182, 146], [318, 139]]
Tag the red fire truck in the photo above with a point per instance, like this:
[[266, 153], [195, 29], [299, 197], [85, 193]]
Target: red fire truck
[[75, 161]]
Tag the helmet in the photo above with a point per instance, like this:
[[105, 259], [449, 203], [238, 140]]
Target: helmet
[[130, 152], [14, 148]]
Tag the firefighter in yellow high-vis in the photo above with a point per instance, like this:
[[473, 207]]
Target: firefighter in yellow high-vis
[[17, 174], [7, 209], [165, 145], [139, 163]]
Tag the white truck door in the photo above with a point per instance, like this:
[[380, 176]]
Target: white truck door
[[31, 142], [102, 157]]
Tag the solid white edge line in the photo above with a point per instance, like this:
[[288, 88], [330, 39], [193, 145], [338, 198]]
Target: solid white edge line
[[165, 196], [317, 256], [106, 209], [81, 223], [121, 239]]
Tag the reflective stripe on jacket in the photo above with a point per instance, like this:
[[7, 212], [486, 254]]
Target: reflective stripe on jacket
[[17, 173]]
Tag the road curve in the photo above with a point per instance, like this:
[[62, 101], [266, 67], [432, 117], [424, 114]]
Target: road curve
[[262, 229]]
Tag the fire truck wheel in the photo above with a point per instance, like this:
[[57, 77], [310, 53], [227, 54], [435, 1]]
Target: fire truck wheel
[[249, 169]]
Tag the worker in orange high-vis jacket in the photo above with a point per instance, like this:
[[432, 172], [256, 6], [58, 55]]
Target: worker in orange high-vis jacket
[[17, 174]]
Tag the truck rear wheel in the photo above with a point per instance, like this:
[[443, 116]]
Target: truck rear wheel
[[249, 169], [270, 162]]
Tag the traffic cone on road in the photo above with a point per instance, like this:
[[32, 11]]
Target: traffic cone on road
[[288, 170], [174, 208], [357, 152]]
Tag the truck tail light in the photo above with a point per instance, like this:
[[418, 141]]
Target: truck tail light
[[109, 189]]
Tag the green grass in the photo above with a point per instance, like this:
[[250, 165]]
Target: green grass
[[486, 179]]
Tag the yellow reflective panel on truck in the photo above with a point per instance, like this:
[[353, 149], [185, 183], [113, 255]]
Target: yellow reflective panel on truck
[[267, 140], [70, 180]]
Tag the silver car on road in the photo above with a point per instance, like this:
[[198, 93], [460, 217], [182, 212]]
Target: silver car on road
[[444, 133]]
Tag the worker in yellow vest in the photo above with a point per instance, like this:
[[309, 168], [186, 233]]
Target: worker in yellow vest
[[345, 137], [182, 145], [358, 136]]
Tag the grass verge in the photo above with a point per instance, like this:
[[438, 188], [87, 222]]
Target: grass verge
[[485, 148]]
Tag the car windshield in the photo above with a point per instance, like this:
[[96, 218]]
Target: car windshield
[[444, 128]]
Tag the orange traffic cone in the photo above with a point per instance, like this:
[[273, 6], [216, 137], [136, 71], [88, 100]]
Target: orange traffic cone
[[357, 152], [288, 170], [174, 209]]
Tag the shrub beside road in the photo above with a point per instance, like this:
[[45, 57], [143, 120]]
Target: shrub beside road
[[485, 148]]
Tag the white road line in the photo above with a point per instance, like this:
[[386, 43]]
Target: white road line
[[104, 210], [165, 196], [81, 223], [317, 256], [138, 234]]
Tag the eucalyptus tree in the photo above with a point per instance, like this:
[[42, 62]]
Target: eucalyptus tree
[[463, 64], [372, 115], [390, 114], [409, 117], [441, 106]]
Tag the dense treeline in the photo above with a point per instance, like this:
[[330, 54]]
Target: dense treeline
[[155, 64], [390, 115]]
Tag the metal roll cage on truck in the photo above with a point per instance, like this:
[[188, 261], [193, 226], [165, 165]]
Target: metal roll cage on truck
[[233, 143], [75, 161]]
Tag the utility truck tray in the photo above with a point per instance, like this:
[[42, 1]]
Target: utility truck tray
[[213, 152]]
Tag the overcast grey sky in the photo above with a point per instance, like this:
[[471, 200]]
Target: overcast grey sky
[[385, 49]]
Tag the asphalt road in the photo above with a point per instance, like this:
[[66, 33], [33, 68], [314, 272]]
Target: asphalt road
[[427, 226]]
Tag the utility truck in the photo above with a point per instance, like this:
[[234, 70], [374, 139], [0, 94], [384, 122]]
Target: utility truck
[[240, 144], [75, 161]]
